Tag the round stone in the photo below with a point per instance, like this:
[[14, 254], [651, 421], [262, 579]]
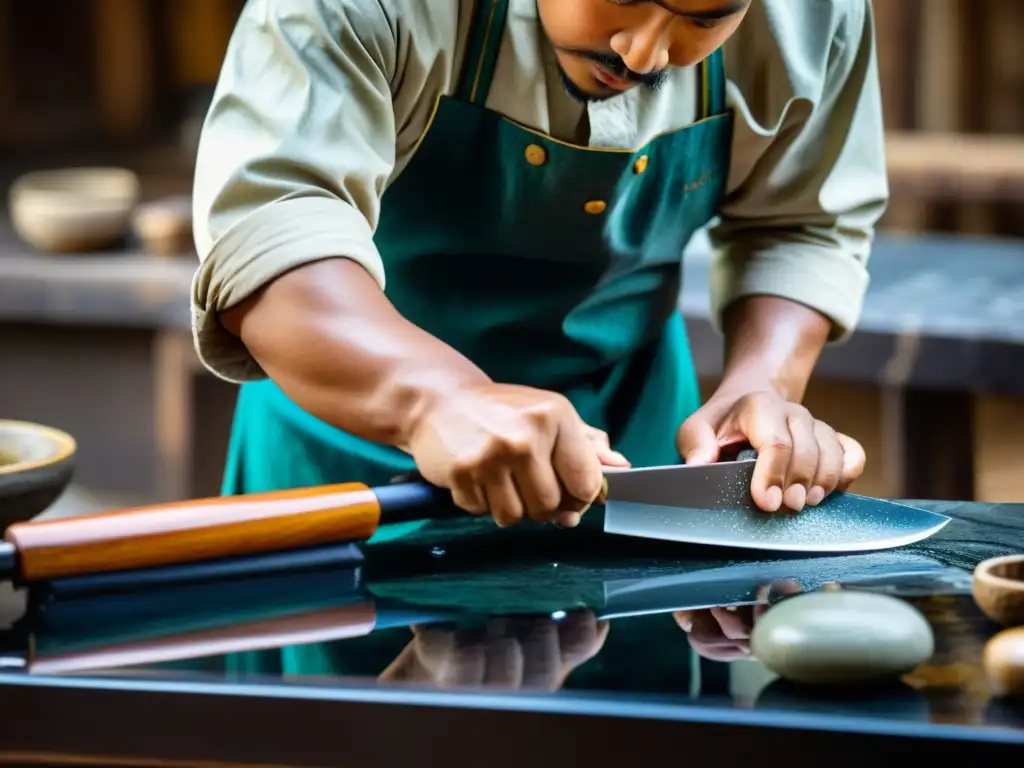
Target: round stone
[[842, 637]]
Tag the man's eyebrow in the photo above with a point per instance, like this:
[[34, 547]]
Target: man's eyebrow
[[710, 15]]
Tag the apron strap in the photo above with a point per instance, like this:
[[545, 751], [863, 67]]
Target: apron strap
[[481, 57], [712, 77]]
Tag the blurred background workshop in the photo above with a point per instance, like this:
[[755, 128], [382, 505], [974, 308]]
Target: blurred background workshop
[[95, 267]]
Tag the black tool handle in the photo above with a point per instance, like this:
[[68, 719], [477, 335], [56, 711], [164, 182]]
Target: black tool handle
[[409, 498]]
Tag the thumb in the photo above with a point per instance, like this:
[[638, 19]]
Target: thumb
[[853, 460], [697, 442]]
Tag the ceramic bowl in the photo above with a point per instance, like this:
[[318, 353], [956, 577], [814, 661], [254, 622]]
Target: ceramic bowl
[[36, 464], [998, 587], [75, 209]]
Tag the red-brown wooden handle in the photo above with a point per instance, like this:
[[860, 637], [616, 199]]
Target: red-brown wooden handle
[[190, 531]]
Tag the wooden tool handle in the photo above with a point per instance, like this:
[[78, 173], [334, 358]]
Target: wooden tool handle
[[191, 531]]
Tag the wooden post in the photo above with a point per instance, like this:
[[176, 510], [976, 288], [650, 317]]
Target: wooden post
[[124, 67], [200, 30]]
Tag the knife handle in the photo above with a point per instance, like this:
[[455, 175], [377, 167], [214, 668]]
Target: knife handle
[[191, 531]]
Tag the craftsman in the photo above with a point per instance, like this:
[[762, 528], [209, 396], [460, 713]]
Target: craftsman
[[447, 236]]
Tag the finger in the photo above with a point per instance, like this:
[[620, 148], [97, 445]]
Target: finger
[[605, 454], [597, 436], [470, 497], [542, 661], [771, 594], [723, 650], [449, 657], [577, 467], [854, 460], [467, 493], [684, 619], [708, 640], [803, 461], [830, 464], [613, 459], [538, 487], [731, 623], [466, 667], [766, 427], [697, 441], [704, 627], [503, 657], [503, 500], [580, 637]]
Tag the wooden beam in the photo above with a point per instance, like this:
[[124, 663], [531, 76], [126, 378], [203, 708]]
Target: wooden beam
[[956, 167]]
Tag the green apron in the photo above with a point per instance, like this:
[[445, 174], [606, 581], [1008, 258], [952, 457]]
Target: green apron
[[548, 264]]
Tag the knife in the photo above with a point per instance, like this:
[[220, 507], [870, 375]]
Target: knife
[[701, 505], [711, 505]]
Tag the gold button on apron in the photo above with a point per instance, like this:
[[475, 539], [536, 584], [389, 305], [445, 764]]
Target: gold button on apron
[[536, 154], [640, 165], [595, 207]]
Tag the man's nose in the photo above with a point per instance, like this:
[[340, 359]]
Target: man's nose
[[645, 49]]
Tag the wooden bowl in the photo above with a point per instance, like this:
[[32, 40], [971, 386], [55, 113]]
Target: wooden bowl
[[998, 588], [164, 227], [73, 210], [36, 465], [1003, 660]]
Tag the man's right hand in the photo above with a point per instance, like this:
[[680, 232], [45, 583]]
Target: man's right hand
[[514, 453]]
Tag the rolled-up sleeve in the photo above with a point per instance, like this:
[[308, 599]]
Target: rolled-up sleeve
[[294, 156], [808, 181]]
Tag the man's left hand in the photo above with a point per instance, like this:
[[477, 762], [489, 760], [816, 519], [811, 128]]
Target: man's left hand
[[800, 460]]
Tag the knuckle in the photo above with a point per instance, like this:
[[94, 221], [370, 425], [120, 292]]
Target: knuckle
[[546, 410], [779, 445], [825, 431], [511, 444], [548, 498], [468, 503], [463, 469], [800, 412], [828, 479], [756, 400]]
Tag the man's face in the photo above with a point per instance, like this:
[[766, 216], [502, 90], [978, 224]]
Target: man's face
[[606, 47]]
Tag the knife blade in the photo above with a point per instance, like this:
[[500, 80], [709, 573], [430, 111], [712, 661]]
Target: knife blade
[[711, 505]]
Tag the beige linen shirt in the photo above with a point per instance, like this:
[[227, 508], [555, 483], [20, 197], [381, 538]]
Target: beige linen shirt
[[321, 104]]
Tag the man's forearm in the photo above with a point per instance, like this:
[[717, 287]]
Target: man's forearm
[[327, 335], [772, 343]]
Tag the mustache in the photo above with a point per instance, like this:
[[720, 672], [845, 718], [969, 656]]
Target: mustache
[[614, 64]]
